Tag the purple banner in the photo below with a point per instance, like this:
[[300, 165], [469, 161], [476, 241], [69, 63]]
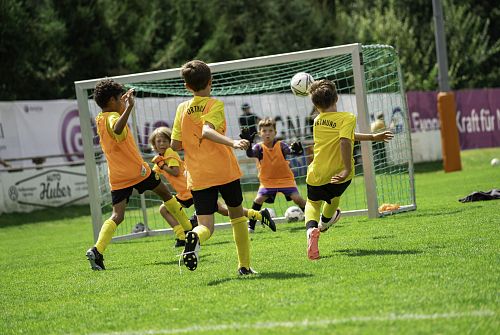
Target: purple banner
[[478, 115]]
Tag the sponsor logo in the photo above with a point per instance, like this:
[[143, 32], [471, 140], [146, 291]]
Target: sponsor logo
[[28, 108], [52, 188]]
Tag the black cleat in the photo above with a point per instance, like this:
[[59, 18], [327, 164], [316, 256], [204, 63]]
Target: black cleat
[[190, 253], [194, 220], [324, 226], [267, 220], [96, 259], [243, 271], [179, 243]]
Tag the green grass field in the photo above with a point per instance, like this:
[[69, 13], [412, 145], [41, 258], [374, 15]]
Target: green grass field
[[434, 270]]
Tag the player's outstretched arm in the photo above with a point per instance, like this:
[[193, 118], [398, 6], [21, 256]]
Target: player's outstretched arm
[[128, 98], [209, 133], [385, 136]]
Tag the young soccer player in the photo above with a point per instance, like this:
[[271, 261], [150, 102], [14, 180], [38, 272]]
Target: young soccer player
[[275, 174], [126, 168], [199, 128], [331, 170], [171, 166]]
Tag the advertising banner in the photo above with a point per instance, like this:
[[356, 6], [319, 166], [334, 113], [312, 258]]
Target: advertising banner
[[47, 188], [477, 116]]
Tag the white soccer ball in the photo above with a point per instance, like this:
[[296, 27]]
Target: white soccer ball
[[300, 84], [294, 214], [495, 162]]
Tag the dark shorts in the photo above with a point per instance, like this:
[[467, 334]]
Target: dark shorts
[[185, 203], [326, 192], [270, 193], [147, 184], [205, 201]]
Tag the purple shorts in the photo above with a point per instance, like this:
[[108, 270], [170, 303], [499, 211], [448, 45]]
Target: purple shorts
[[270, 193]]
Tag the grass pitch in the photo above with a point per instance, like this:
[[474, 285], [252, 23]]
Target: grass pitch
[[434, 270]]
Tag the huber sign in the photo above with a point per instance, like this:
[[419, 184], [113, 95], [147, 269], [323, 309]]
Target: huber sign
[[50, 188]]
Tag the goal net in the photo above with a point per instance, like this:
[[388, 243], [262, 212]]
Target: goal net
[[369, 83]]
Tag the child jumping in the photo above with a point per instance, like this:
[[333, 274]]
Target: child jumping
[[126, 168]]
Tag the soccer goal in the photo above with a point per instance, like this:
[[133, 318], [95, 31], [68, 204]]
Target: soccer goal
[[369, 83]]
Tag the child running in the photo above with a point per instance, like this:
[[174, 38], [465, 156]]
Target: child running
[[275, 174], [331, 170], [126, 168], [171, 166], [200, 128]]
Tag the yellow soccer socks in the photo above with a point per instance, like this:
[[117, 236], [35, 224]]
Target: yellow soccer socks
[[175, 208], [105, 235], [240, 235], [313, 210], [179, 232], [203, 233], [330, 208]]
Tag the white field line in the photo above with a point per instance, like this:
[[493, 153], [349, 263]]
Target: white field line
[[307, 323]]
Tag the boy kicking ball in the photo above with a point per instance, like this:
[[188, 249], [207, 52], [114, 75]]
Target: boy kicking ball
[[331, 170]]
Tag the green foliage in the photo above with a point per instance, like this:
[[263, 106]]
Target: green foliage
[[470, 48], [47, 45], [433, 270]]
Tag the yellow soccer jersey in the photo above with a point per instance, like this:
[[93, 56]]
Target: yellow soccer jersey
[[112, 118], [195, 108], [328, 128], [172, 161]]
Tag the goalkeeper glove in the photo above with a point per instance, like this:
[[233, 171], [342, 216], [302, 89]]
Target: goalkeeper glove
[[297, 149], [157, 169], [158, 160], [246, 135]]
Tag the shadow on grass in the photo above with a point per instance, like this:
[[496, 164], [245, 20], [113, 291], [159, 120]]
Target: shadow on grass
[[382, 252], [440, 212], [264, 275], [382, 237], [44, 215], [209, 244], [295, 229], [428, 167], [176, 262], [140, 240]]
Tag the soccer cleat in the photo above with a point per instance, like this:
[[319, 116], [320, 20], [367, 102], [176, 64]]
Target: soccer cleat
[[194, 220], [323, 226], [267, 220], [96, 259], [243, 271], [312, 243], [190, 253], [179, 243]]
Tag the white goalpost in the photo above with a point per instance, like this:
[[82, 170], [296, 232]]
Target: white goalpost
[[369, 83]]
